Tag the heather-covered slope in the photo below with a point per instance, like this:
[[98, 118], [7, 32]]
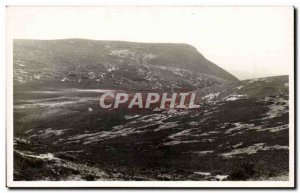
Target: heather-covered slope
[[240, 132], [113, 64]]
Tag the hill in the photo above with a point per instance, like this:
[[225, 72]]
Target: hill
[[240, 132], [84, 63]]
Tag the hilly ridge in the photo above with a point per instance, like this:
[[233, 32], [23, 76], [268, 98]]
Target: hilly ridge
[[240, 132], [114, 64]]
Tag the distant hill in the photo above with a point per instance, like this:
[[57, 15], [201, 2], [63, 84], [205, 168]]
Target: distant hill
[[109, 64]]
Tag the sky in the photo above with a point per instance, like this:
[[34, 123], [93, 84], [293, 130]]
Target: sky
[[249, 42]]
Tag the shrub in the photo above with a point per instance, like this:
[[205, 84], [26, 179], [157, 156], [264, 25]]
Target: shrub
[[242, 172]]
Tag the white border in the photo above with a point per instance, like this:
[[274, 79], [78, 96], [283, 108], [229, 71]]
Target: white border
[[212, 184]]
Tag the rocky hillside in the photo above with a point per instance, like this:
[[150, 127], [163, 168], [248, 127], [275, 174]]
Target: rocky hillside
[[240, 132], [83, 63]]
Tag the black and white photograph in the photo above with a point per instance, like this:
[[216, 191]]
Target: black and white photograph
[[150, 96]]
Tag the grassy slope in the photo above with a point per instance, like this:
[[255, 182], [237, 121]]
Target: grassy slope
[[145, 147]]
